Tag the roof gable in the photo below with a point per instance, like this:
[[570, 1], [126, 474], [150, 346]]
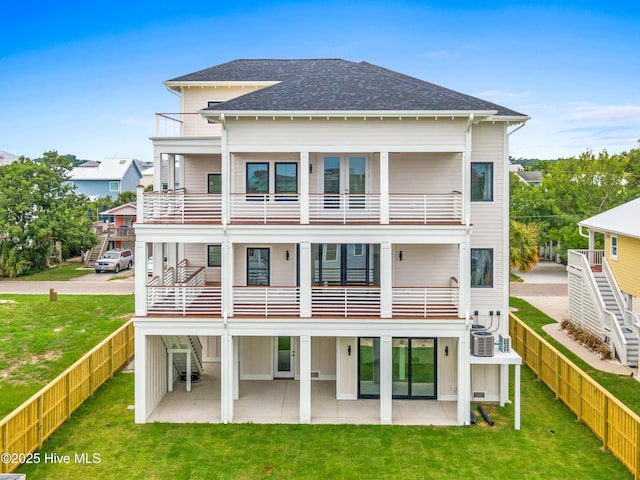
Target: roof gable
[[108, 169]]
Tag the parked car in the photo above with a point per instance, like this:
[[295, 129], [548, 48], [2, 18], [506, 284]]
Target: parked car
[[115, 260]]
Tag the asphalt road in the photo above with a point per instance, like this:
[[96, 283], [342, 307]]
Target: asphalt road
[[90, 284]]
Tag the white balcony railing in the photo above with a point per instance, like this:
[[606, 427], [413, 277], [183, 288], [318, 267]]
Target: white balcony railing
[[344, 208], [424, 302], [593, 257], [265, 208], [184, 125], [180, 207], [266, 301], [425, 208], [345, 301]]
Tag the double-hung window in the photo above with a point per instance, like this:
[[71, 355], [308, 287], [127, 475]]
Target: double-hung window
[[614, 247], [482, 267], [214, 256], [481, 182]]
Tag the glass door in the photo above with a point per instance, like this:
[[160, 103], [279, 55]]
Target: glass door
[[258, 267], [344, 175], [423, 368], [284, 358]]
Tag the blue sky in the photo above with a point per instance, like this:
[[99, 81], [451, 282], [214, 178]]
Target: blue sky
[[86, 77]]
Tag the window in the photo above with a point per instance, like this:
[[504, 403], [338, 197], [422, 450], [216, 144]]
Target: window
[[257, 266], [286, 180], [214, 256], [209, 105], [614, 247], [114, 186], [482, 182], [214, 183], [482, 267], [257, 179]]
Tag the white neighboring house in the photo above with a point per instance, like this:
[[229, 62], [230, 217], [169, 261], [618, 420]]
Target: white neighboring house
[[338, 222], [603, 284]]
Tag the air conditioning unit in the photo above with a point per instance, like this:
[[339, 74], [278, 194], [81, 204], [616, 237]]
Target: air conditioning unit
[[481, 344], [475, 328], [504, 343]]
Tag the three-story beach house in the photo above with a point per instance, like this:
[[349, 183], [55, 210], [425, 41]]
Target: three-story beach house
[[337, 251]]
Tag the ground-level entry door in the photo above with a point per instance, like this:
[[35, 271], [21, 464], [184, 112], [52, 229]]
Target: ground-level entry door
[[413, 367], [284, 357]]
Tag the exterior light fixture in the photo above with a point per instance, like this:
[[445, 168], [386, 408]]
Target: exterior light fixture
[[286, 255], [400, 255]]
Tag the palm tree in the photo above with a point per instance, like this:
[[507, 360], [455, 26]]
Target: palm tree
[[523, 245]]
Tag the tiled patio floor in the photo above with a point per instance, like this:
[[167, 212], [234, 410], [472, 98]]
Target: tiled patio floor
[[278, 401]]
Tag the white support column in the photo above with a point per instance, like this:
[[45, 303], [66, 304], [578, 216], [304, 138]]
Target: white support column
[[304, 188], [172, 256], [180, 171], [140, 376], [226, 378], [227, 278], [157, 173], [170, 370], [171, 172], [305, 280], [386, 280], [504, 384], [516, 406], [304, 351], [386, 384], [464, 277], [140, 279], [236, 368], [384, 188], [139, 204], [464, 380], [225, 170], [187, 354]]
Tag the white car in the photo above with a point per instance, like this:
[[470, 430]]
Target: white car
[[115, 260]]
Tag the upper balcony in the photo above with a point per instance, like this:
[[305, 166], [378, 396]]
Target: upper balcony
[[180, 207], [184, 124]]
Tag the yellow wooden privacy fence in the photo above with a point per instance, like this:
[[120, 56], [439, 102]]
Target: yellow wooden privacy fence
[[24, 429], [611, 421]]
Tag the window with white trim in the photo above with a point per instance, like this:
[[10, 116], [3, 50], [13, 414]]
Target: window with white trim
[[614, 247]]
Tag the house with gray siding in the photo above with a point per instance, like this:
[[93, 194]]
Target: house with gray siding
[[108, 178], [337, 252]]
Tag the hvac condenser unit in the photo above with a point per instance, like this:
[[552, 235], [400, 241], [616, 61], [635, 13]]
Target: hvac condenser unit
[[481, 344], [504, 343]]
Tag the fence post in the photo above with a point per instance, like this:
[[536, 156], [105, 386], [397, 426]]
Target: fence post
[[539, 355], [4, 466], [557, 392], [605, 421], [637, 472], [111, 357], [40, 419], [91, 379], [68, 392]]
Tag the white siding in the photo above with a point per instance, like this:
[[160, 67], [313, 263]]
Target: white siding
[[425, 173], [256, 358], [485, 378], [196, 254], [424, 265], [447, 368], [156, 363], [323, 356], [241, 160], [487, 217], [210, 349]]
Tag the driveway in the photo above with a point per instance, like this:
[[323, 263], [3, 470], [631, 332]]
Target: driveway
[[545, 287]]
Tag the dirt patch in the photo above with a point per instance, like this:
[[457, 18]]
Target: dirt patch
[[49, 356]]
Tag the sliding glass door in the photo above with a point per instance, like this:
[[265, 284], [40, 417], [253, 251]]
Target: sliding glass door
[[346, 264]]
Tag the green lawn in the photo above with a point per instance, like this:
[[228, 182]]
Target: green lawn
[[64, 271], [551, 445], [626, 389], [39, 339]]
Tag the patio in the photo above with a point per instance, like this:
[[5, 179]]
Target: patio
[[277, 401]]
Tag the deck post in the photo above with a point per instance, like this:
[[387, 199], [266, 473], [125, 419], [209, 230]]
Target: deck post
[[305, 378], [386, 282], [464, 379], [386, 384], [140, 373]]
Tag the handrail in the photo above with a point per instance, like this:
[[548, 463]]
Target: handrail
[[615, 288]]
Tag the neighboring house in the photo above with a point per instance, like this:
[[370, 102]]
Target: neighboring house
[[603, 284], [532, 178], [6, 158], [114, 231], [341, 225], [109, 178], [148, 175]]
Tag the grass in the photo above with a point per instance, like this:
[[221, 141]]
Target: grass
[[515, 278], [551, 444], [39, 339], [63, 271], [625, 388]]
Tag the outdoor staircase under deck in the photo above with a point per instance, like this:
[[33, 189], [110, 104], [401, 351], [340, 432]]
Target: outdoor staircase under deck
[[181, 344], [96, 251], [612, 306]]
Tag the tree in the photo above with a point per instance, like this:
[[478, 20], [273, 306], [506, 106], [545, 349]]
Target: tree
[[39, 207], [523, 245]]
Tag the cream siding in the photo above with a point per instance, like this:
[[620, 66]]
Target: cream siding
[[346, 387], [424, 173], [156, 362], [352, 134], [196, 254], [196, 168], [323, 356], [447, 379], [627, 265], [282, 271], [210, 349], [485, 379], [256, 358], [424, 265], [240, 167]]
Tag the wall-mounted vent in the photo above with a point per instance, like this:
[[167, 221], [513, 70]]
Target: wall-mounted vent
[[315, 373], [479, 394], [481, 344]]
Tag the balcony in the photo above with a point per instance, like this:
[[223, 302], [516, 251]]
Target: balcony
[[184, 125], [179, 207]]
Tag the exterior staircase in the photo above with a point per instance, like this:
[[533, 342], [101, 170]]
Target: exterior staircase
[[96, 252], [182, 343], [612, 306]]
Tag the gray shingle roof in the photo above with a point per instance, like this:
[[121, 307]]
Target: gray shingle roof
[[335, 85]]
